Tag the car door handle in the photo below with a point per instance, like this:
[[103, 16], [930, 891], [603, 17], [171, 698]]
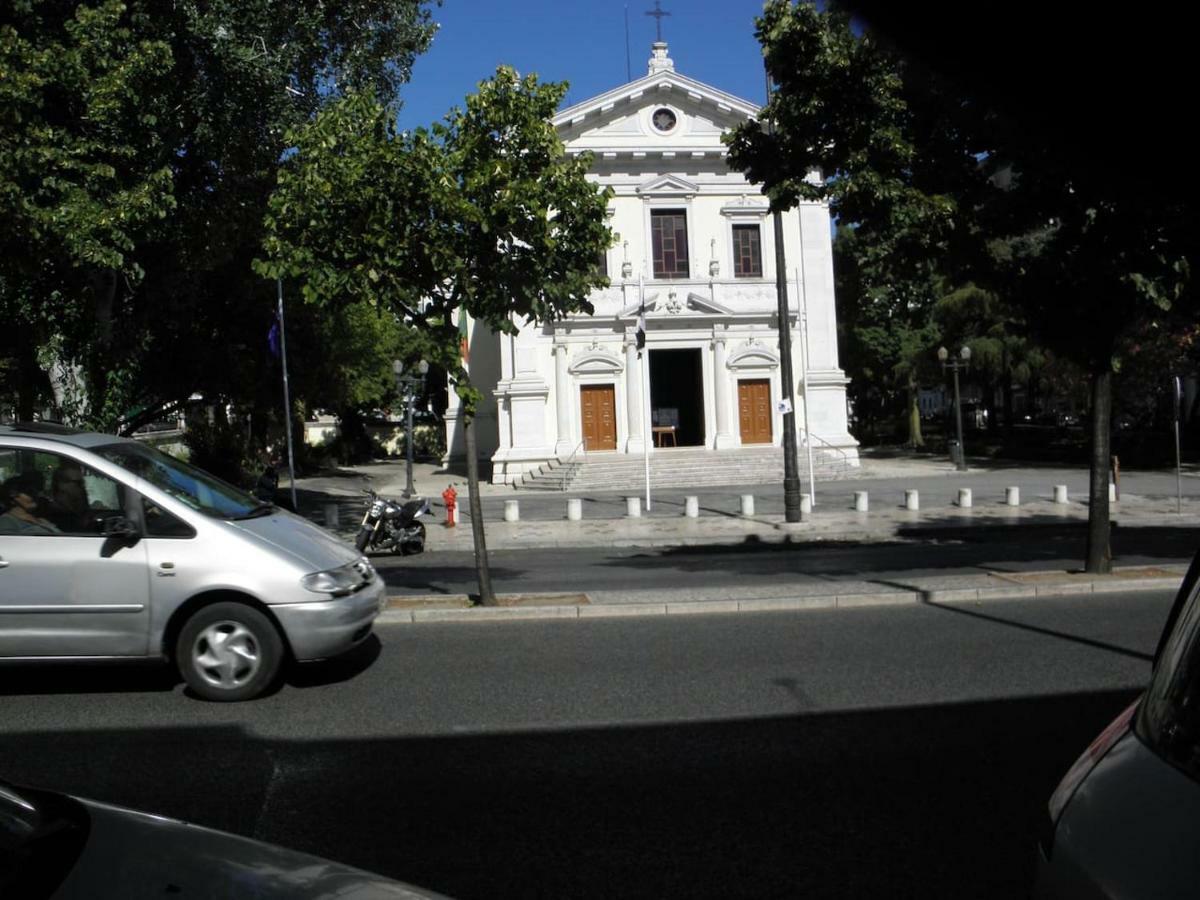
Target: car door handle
[[3, 563]]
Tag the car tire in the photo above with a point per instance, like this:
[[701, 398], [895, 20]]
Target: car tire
[[361, 539], [229, 652]]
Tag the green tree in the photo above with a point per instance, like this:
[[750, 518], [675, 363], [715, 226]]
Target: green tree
[[856, 127], [935, 183], [161, 128], [1096, 266], [482, 215], [82, 173], [1002, 352]]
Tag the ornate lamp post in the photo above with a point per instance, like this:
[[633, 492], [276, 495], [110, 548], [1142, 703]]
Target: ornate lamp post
[[408, 383], [964, 363]]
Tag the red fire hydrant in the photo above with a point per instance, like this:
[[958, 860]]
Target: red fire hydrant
[[450, 498]]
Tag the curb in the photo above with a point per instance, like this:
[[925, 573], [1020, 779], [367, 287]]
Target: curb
[[857, 600]]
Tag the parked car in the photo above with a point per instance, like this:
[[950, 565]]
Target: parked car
[[57, 847], [110, 549], [1124, 821]]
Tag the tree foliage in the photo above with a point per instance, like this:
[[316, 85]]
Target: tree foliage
[[482, 215], [938, 188], [140, 143]]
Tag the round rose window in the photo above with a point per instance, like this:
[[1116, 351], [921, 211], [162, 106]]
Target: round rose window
[[664, 119]]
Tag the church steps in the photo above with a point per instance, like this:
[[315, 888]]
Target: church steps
[[681, 469]]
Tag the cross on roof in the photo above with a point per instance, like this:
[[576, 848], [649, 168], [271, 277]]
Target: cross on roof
[[658, 12]]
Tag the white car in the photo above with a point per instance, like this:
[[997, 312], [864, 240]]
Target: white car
[[111, 550], [1125, 821]]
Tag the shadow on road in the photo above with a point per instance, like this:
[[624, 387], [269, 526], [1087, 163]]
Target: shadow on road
[[149, 676], [935, 801], [980, 547]]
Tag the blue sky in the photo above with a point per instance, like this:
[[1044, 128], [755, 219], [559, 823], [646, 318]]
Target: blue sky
[[582, 43]]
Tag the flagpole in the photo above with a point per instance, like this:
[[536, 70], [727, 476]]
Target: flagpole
[[287, 400], [803, 288], [647, 421]]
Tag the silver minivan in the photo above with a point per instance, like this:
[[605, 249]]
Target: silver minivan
[[110, 549]]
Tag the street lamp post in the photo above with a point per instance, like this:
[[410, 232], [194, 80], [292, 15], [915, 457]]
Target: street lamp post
[[964, 363], [407, 384]]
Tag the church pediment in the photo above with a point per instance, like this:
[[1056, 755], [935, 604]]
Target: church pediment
[[667, 186], [663, 111], [720, 109], [596, 362], [651, 304], [754, 356], [706, 306]]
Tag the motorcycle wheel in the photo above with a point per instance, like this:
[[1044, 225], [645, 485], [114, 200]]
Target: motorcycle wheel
[[414, 543], [361, 539]]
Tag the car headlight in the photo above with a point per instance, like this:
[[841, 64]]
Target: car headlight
[[342, 580]]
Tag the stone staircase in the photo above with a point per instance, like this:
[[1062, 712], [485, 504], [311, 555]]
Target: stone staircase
[[682, 468]]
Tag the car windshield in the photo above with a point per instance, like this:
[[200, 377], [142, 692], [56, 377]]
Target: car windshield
[[202, 492]]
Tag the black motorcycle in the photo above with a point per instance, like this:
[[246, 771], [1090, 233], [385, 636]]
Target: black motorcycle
[[389, 525]]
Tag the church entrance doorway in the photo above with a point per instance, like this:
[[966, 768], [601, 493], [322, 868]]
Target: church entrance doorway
[[677, 398], [754, 410], [598, 413]]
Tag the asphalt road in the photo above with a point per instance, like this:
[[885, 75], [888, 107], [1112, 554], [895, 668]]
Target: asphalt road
[[888, 752], [951, 552]]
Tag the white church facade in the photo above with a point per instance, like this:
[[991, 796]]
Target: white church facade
[[698, 239]]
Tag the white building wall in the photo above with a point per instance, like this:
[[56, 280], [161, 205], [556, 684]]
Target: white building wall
[[533, 380]]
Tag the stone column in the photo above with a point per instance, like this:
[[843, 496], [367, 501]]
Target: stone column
[[562, 402], [636, 442], [721, 379]]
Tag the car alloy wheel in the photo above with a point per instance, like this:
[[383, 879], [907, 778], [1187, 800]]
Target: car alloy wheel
[[226, 655], [229, 651]]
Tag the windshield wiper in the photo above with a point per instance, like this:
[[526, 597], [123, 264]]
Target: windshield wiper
[[262, 509]]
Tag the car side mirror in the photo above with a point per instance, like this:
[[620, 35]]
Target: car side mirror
[[119, 527]]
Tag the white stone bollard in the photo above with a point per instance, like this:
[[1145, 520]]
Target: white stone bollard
[[331, 515], [691, 507], [964, 498], [1060, 493], [633, 507], [1012, 496], [861, 501], [912, 499], [575, 509], [805, 504], [1112, 493], [747, 504], [512, 510]]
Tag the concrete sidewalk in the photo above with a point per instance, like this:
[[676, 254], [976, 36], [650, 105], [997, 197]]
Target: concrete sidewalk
[[1147, 501], [965, 590], [543, 518]]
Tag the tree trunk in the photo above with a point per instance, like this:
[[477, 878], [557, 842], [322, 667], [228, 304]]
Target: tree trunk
[[915, 438], [486, 596], [1099, 552]]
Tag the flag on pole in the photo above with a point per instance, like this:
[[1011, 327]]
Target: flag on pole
[[462, 336], [273, 336]]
